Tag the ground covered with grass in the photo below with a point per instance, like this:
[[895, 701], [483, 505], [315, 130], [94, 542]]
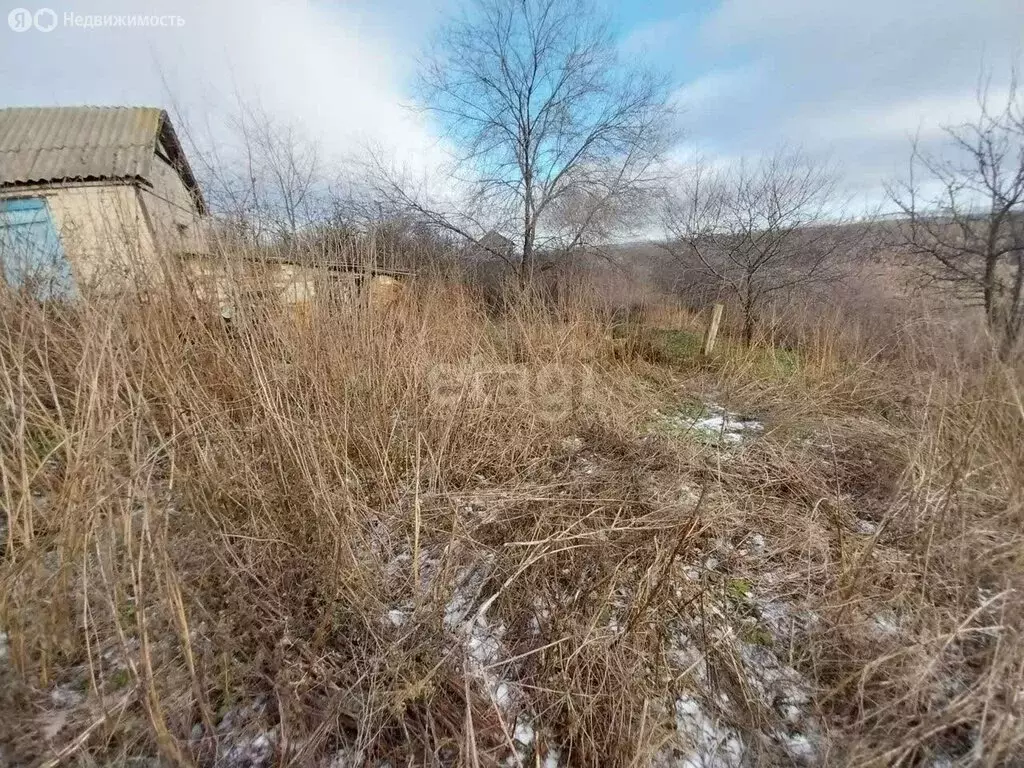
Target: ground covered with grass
[[438, 535]]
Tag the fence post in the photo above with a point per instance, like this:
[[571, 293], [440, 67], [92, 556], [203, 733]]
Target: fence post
[[712, 332]]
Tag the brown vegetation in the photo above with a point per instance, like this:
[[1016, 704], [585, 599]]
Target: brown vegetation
[[436, 535], [963, 214]]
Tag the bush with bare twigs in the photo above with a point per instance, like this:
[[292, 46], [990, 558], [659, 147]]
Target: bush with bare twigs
[[433, 535]]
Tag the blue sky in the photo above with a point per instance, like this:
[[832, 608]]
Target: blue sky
[[848, 80]]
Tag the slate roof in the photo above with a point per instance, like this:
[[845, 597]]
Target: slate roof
[[45, 145]]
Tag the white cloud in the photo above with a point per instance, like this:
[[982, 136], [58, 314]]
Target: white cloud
[[336, 71], [708, 91], [923, 118], [651, 36], [851, 80]]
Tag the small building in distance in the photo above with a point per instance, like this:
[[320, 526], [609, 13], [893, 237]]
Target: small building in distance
[[90, 195], [494, 246], [490, 261], [103, 199]]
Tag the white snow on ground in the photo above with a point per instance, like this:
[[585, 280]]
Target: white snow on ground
[[346, 757], [251, 746], [715, 425], [66, 697], [866, 527], [703, 737], [781, 686], [886, 623], [726, 426], [782, 618], [482, 640], [711, 745], [541, 615], [349, 757], [466, 616], [524, 733], [799, 747], [253, 752], [3, 645]]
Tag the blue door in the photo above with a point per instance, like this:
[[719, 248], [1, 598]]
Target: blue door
[[30, 250]]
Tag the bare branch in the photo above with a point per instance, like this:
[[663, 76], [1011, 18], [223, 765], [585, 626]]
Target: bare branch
[[555, 137], [964, 212], [758, 228]]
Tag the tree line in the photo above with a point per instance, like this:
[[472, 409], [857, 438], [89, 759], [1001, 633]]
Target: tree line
[[560, 145]]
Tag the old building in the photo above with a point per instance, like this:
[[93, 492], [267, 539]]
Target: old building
[[100, 199], [92, 196]]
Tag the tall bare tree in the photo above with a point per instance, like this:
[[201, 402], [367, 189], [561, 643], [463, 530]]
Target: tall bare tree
[[965, 213], [758, 228], [263, 175], [552, 131]]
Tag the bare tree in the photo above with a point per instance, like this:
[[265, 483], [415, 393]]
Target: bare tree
[[262, 175], [965, 213], [288, 167], [758, 228], [552, 131]]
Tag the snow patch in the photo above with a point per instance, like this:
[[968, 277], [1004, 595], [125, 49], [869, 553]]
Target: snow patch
[[257, 751], [66, 697], [782, 618], [524, 733], [799, 747], [465, 615], [553, 758], [541, 616], [346, 757], [775, 684], [886, 624], [528, 747], [714, 425], [725, 426], [704, 742], [251, 746], [866, 527]]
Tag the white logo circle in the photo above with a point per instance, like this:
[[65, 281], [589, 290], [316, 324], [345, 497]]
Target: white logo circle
[[45, 20], [20, 19]]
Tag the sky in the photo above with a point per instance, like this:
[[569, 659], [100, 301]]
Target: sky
[[850, 81]]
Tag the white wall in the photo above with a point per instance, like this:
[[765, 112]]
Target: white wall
[[103, 232], [177, 225]]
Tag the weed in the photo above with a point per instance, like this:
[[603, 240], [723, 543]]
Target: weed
[[330, 535]]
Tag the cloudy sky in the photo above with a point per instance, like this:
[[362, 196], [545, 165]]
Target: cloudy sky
[[853, 80]]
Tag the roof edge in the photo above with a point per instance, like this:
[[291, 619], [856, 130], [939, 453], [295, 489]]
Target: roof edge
[[180, 160]]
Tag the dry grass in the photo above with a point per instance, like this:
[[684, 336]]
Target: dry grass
[[433, 536]]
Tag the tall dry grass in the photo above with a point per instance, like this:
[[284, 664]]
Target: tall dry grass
[[436, 535]]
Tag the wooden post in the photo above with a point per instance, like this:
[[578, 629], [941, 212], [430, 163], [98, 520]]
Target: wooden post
[[712, 332]]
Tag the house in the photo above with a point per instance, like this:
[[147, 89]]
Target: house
[[104, 197], [92, 196], [494, 246]]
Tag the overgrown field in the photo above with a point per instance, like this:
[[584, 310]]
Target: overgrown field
[[435, 535]]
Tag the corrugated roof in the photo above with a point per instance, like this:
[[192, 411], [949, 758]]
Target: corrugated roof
[[53, 144], [45, 145]]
